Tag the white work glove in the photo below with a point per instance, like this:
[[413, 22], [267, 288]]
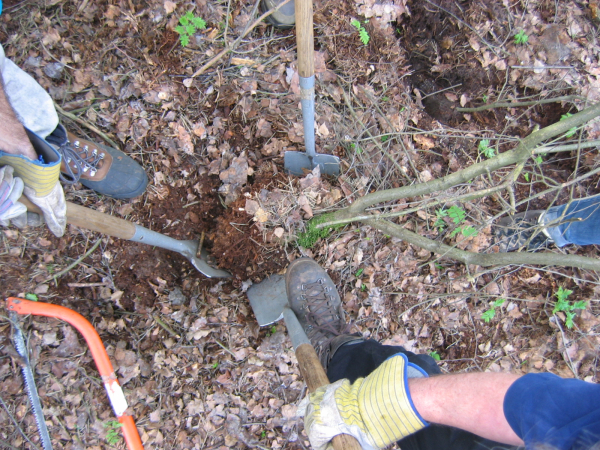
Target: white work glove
[[376, 410], [53, 207], [11, 188]]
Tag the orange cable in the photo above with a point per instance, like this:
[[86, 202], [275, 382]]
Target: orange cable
[[91, 336]]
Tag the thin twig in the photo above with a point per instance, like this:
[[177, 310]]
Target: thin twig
[[68, 269], [16, 424], [74, 118], [565, 98], [230, 47], [165, 327], [225, 348]]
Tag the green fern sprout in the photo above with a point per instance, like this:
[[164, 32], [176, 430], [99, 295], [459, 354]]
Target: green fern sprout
[[521, 38], [188, 25], [362, 33]]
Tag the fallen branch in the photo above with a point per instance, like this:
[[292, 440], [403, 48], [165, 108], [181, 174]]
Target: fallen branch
[[565, 98]]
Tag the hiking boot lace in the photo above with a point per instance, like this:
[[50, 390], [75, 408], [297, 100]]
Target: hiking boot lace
[[78, 161], [322, 318]]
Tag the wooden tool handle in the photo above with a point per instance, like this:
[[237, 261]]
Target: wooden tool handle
[[314, 375], [91, 220], [305, 38]]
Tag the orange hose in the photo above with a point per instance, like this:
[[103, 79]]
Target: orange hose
[[91, 336]]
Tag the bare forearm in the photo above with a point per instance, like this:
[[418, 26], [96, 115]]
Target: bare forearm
[[470, 401], [13, 138]]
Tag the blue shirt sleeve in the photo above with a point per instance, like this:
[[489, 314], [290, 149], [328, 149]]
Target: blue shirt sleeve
[[564, 413]]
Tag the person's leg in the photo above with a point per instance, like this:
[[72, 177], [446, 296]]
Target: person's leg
[[359, 358], [579, 222], [31, 102], [106, 170]]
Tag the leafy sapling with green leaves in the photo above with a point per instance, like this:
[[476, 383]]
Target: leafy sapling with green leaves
[[564, 305], [188, 25], [362, 32], [521, 38], [490, 313], [112, 433], [485, 149], [458, 215]]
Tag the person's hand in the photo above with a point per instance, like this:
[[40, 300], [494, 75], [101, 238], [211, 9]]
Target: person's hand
[[53, 207], [376, 410], [11, 188]]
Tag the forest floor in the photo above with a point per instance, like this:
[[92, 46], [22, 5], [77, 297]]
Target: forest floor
[[197, 370]]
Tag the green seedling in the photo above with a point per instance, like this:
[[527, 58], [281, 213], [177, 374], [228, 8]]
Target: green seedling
[[362, 33], [188, 25], [468, 231], [564, 305], [309, 237], [359, 272], [385, 138], [263, 434], [485, 149], [435, 355], [490, 313], [440, 223], [526, 176], [438, 266], [112, 434], [384, 98], [571, 132], [271, 331], [521, 38], [356, 148], [215, 364], [32, 297], [363, 287], [457, 214], [485, 98]]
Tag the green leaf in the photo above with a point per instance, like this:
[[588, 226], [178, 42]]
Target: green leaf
[[499, 302], [457, 214], [569, 319], [435, 355], [538, 159], [562, 293], [184, 39], [32, 297], [190, 29], [581, 304], [485, 149], [199, 23], [469, 231], [355, 23], [488, 315], [364, 36], [526, 175], [521, 38], [359, 272], [180, 29]]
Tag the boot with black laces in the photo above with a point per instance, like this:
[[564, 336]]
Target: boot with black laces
[[314, 299]]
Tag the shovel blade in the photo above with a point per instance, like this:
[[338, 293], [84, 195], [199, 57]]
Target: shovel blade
[[268, 299], [295, 162]]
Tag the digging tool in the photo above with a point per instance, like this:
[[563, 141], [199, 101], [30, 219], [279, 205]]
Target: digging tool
[[295, 162], [32, 393], [123, 229], [269, 302]]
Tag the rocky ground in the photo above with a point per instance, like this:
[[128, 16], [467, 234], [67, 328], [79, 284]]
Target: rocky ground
[[211, 131]]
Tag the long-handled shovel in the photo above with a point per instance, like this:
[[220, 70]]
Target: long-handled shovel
[[113, 226], [269, 302], [295, 162]]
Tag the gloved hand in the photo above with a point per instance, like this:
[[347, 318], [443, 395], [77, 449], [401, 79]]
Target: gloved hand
[[376, 410], [11, 188], [40, 178], [53, 207]]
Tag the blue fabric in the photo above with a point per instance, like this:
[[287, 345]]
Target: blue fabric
[[543, 408], [584, 227]]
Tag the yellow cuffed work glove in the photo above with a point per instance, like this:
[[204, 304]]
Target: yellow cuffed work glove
[[376, 410], [41, 182]]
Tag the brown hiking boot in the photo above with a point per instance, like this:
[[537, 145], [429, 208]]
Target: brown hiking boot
[[314, 299], [106, 170]]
